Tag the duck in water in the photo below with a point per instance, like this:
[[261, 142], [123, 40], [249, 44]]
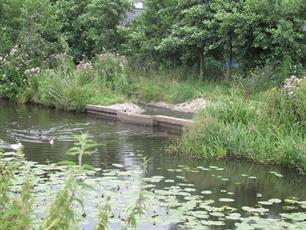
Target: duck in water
[[16, 146], [45, 139]]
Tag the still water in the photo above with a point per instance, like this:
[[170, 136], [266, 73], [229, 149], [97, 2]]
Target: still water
[[191, 194]]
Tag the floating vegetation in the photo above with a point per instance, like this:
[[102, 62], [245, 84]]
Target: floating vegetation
[[276, 174], [297, 216], [177, 203], [226, 200], [206, 192], [252, 177], [259, 195], [118, 165]]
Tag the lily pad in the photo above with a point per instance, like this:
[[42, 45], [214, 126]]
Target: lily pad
[[118, 165], [276, 174], [226, 200], [217, 214], [206, 192], [234, 216]]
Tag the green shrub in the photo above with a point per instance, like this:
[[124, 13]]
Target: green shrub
[[262, 79], [15, 73], [287, 106]]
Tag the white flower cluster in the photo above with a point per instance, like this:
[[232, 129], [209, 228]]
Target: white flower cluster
[[292, 83], [113, 56], [84, 65], [32, 71], [60, 56], [14, 50], [3, 60]]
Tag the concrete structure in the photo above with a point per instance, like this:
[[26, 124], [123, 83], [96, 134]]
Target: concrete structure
[[138, 119]]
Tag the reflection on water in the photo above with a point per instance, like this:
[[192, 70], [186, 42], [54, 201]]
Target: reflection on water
[[124, 144]]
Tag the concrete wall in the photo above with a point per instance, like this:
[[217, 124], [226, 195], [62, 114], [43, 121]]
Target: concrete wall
[[138, 119]]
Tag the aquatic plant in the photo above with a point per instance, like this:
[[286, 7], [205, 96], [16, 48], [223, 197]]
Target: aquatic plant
[[140, 205], [15, 210], [61, 213], [104, 216], [83, 146]]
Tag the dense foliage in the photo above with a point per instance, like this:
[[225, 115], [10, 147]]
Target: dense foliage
[[211, 33], [68, 53]]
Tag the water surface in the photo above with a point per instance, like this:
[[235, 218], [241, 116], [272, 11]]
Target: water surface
[[199, 183]]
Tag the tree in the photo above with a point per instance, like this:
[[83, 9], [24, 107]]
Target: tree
[[10, 26], [40, 34], [192, 34], [91, 26], [145, 33]]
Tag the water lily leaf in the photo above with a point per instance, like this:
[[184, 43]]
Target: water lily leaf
[[118, 165], [291, 201], [234, 216], [289, 208], [255, 210], [189, 189], [259, 195], [220, 169], [213, 167], [276, 174], [243, 226], [217, 214], [265, 202], [275, 200], [303, 204], [252, 177], [297, 216], [206, 192], [226, 200], [200, 214]]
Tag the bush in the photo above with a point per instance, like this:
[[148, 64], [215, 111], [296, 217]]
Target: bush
[[15, 73], [261, 79], [287, 105]]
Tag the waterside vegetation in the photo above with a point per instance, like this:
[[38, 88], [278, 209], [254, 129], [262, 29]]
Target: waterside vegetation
[[235, 54]]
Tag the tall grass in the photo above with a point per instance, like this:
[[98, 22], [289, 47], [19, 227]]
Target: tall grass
[[71, 88], [271, 130], [173, 86], [109, 81]]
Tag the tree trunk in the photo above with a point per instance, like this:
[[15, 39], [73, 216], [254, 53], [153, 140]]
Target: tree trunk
[[201, 65], [230, 55]]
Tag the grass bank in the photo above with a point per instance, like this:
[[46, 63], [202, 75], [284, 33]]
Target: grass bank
[[255, 117], [268, 127], [105, 81]]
